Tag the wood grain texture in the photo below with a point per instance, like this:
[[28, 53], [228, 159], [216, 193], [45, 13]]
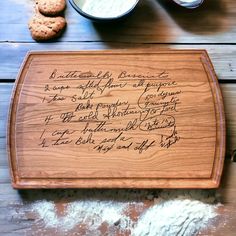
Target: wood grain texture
[[229, 97], [158, 22], [152, 22], [11, 200], [157, 134], [222, 56]]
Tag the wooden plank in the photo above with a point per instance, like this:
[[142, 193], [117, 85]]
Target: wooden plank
[[214, 23], [12, 222], [229, 97], [17, 217], [5, 94], [222, 56], [157, 134], [152, 22]]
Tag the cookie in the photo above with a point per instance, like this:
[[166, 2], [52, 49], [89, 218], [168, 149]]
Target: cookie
[[51, 7], [44, 28]]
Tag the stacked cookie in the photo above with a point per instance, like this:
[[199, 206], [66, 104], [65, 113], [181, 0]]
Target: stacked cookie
[[47, 23]]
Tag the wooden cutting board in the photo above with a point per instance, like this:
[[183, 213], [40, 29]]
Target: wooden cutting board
[[117, 119]]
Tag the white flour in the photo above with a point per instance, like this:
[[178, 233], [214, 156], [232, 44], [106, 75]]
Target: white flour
[[158, 213], [90, 213], [106, 8], [174, 217]]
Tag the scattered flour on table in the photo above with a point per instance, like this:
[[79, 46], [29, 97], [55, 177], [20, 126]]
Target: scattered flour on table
[[90, 213], [169, 213], [175, 217]]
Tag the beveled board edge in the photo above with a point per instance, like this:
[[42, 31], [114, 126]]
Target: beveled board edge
[[220, 118], [10, 128], [213, 182]]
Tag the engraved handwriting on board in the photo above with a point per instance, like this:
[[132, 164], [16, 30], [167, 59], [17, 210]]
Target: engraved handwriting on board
[[109, 111]]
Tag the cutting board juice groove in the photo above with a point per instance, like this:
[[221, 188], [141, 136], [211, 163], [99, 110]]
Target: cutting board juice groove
[[116, 119]]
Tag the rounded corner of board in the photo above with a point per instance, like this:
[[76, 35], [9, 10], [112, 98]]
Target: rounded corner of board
[[28, 183], [215, 184], [16, 185]]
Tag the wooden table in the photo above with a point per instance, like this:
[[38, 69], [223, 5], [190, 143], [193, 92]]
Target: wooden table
[[154, 24]]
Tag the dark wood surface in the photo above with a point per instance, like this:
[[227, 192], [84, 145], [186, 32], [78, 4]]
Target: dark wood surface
[[154, 24]]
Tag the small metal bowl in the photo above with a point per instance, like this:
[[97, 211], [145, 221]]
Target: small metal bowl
[[102, 14]]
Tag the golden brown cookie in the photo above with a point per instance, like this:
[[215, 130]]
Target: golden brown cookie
[[44, 28], [51, 7]]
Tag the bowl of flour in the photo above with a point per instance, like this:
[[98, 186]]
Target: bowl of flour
[[104, 10]]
